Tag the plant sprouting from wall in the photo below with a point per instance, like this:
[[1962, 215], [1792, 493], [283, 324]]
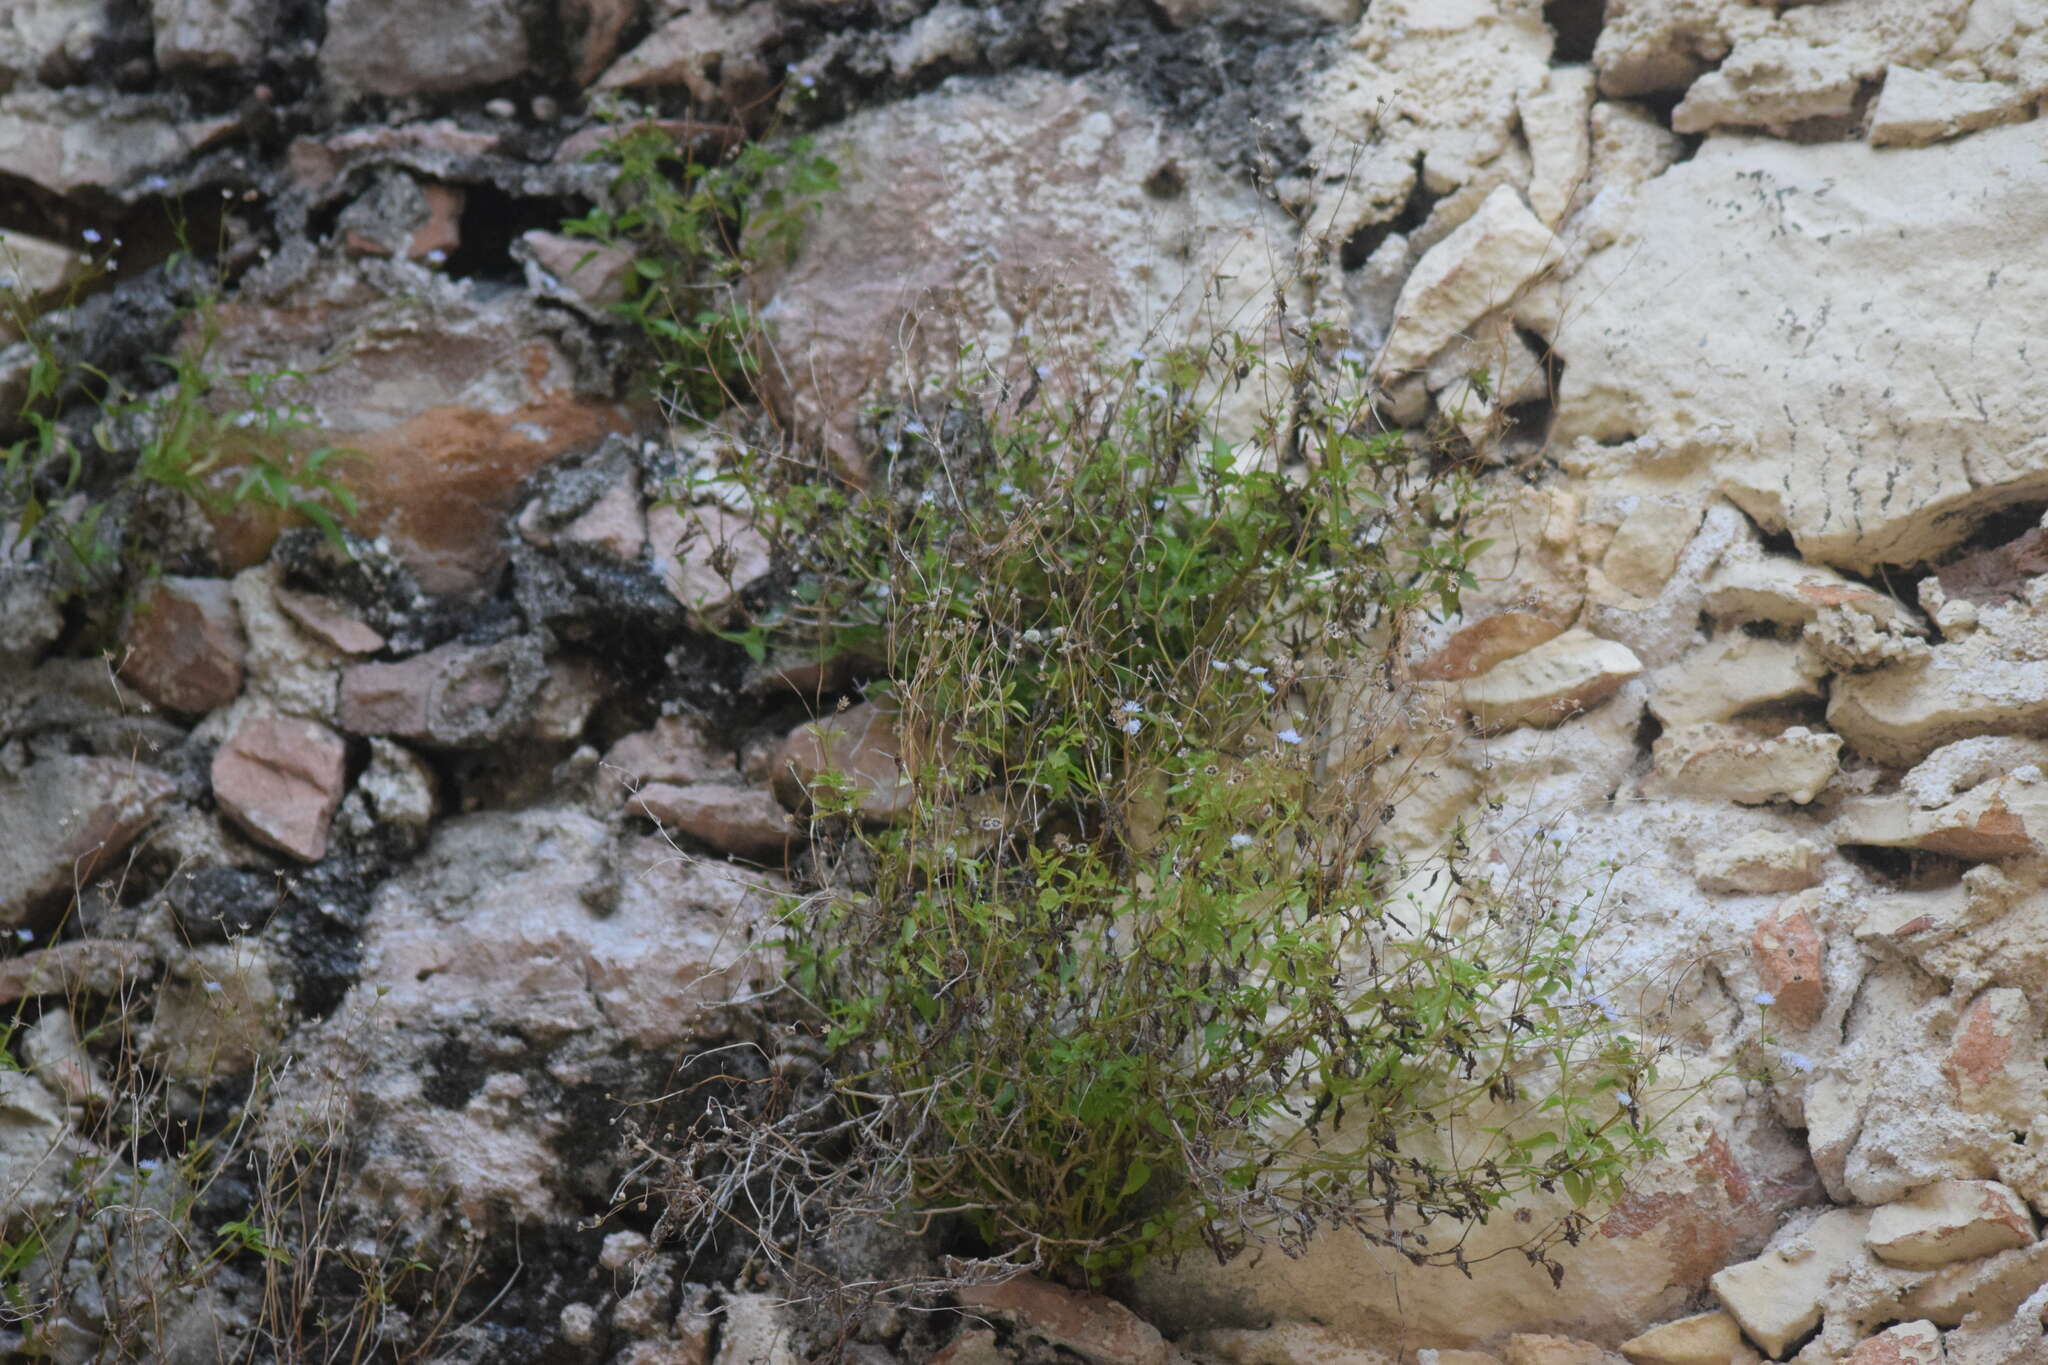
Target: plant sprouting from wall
[[1127, 973]]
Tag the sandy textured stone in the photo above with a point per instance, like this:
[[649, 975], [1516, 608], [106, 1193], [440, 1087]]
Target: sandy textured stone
[[1759, 863], [705, 557], [218, 1012], [281, 778], [1731, 674], [1629, 145], [80, 966], [586, 274], [1986, 1289], [91, 139], [209, 34], [185, 645], [1301, 1343], [1475, 271], [1982, 679], [1950, 1220], [1097, 1328], [1778, 1297], [1536, 1348], [1918, 107], [382, 47], [1548, 684], [676, 751], [716, 52], [1719, 762], [755, 1330], [1863, 463], [1556, 120], [66, 818], [1702, 1339], [52, 41], [33, 277]]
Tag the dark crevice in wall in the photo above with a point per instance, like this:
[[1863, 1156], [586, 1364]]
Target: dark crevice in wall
[[1576, 23]]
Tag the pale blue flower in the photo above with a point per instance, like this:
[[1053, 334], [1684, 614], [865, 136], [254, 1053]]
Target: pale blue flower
[[1289, 736]]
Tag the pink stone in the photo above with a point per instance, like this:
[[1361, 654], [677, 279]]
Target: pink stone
[[1789, 957], [185, 644], [281, 779], [744, 821]]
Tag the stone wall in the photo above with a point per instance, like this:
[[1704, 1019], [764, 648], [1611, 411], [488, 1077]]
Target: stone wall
[[459, 844]]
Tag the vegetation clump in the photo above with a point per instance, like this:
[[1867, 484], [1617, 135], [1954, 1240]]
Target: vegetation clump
[[1129, 973]]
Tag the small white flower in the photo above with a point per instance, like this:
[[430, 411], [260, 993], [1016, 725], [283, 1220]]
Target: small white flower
[[1621, 1098], [1351, 355], [1033, 636], [1222, 665], [1131, 708], [1159, 504], [1798, 1061], [1765, 998], [1289, 736], [1007, 489], [1133, 725], [1138, 357], [1265, 687], [25, 935], [1257, 670], [92, 235], [1042, 371], [1240, 840], [212, 987], [437, 257], [807, 81]]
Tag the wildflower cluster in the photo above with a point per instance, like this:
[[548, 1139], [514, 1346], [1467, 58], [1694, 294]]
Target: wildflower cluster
[[1128, 977]]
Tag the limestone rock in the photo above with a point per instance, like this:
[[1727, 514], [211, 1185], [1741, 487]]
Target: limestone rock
[[745, 821], [185, 645], [1550, 683], [1950, 1220], [457, 696], [1718, 762], [676, 751], [755, 1331], [1759, 863], [1535, 1348], [218, 1012], [1992, 1062], [54, 42], [1794, 224], [987, 209], [585, 274], [1790, 964], [573, 688], [862, 745], [1986, 1289], [80, 966], [1778, 1297], [1486, 642], [1629, 146], [379, 47], [1918, 107], [705, 557], [1476, 270], [1982, 681], [1788, 592], [66, 818], [209, 34], [84, 139], [1702, 1339], [33, 276], [1305, 1343], [1096, 1328], [1909, 1343], [56, 1057], [36, 1146], [289, 666], [1556, 120], [2005, 817], [1731, 674], [281, 778]]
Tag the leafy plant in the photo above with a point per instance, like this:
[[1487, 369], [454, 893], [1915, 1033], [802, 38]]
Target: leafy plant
[[696, 228], [1131, 975]]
